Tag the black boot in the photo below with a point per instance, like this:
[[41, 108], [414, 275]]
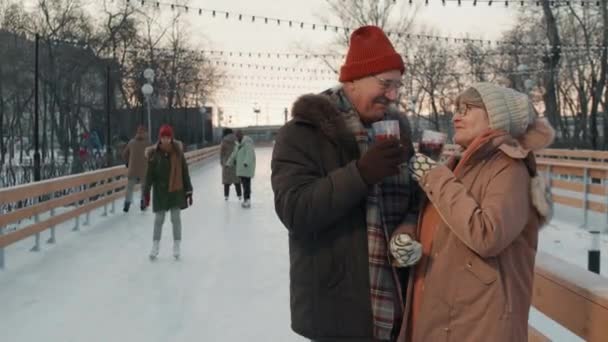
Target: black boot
[[126, 207]]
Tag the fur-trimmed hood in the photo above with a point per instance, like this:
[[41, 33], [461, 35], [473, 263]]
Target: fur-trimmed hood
[[322, 111], [150, 149], [319, 111]]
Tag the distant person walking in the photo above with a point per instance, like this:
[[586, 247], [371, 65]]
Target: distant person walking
[[229, 176], [134, 157], [243, 157]]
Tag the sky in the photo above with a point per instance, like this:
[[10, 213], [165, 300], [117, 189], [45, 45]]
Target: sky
[[233, 35], [272, 91]]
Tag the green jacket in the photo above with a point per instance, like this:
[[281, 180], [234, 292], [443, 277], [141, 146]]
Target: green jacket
[[157, 178], [243, 157]]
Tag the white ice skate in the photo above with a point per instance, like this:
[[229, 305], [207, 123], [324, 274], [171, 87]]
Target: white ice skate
[[154, 252], [176, 249]]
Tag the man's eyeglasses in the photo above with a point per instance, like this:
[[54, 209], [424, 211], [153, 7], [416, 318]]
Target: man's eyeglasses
[[389, 84], [463, 109]]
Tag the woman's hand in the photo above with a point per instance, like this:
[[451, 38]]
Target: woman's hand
[[419, 165], [405, 250]]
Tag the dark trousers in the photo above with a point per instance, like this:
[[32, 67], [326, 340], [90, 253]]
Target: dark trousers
[[227, 189], [246, 181]]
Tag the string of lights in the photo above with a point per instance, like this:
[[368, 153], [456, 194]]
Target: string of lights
[[293, 24]]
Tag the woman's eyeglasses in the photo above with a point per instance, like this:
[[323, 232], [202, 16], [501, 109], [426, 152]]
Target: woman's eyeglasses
[[463, 109]]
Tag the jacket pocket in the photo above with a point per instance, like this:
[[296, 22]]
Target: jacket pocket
[[476, 286]]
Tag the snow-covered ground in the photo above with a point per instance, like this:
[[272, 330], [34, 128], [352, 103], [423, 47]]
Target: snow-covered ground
[[232, 283]]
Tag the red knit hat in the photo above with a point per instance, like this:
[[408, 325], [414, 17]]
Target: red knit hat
[[165, 131], [370, 53]]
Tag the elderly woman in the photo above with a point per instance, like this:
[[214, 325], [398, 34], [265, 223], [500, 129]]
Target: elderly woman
[[479, 224]]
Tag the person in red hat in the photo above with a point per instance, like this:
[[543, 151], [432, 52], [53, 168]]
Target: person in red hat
[[342, 195], [167, 175]]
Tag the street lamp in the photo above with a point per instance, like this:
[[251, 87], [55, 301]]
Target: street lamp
[[411, 104], [529, 84], [149, 75], [256, 111], [522, 68], [147, 89]]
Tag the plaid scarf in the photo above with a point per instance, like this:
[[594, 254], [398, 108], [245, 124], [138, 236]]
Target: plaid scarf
[[385, 209]]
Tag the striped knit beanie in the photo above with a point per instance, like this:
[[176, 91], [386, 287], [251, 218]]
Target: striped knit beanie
[[508, 110]]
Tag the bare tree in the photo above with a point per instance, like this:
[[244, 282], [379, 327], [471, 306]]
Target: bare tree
[[551, 63], [431, 71]]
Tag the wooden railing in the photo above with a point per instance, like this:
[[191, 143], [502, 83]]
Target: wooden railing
[[571, 296], [82, 193]]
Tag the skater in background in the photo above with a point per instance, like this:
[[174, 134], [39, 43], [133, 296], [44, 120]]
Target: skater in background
[[169, 178], [243, 157], [229, 170], [134, 157]]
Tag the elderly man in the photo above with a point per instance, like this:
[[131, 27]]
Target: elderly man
[[341, 195]]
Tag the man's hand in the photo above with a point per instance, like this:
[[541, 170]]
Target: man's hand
[[381, 160]]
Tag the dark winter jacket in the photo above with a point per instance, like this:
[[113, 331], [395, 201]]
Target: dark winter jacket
[[228, 171], [321, 198], [157, 178], [133, 155]]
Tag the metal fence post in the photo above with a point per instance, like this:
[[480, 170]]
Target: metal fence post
[[86, 201], [112, 193], [36, 247], [77, 220], [549, 176], [1, 250], [585, 197], [52, 237], [605, 180], [593, 255], [105, 206]]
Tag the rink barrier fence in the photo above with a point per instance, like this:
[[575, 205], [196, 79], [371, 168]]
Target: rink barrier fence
[[89, 191]]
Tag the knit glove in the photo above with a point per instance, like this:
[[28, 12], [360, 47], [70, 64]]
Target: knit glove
[[381, 160], [405, 250], [419, 165], [189, 199]]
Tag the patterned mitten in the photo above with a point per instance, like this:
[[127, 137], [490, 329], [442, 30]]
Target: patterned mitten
[[419, 165], [406, 251]]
